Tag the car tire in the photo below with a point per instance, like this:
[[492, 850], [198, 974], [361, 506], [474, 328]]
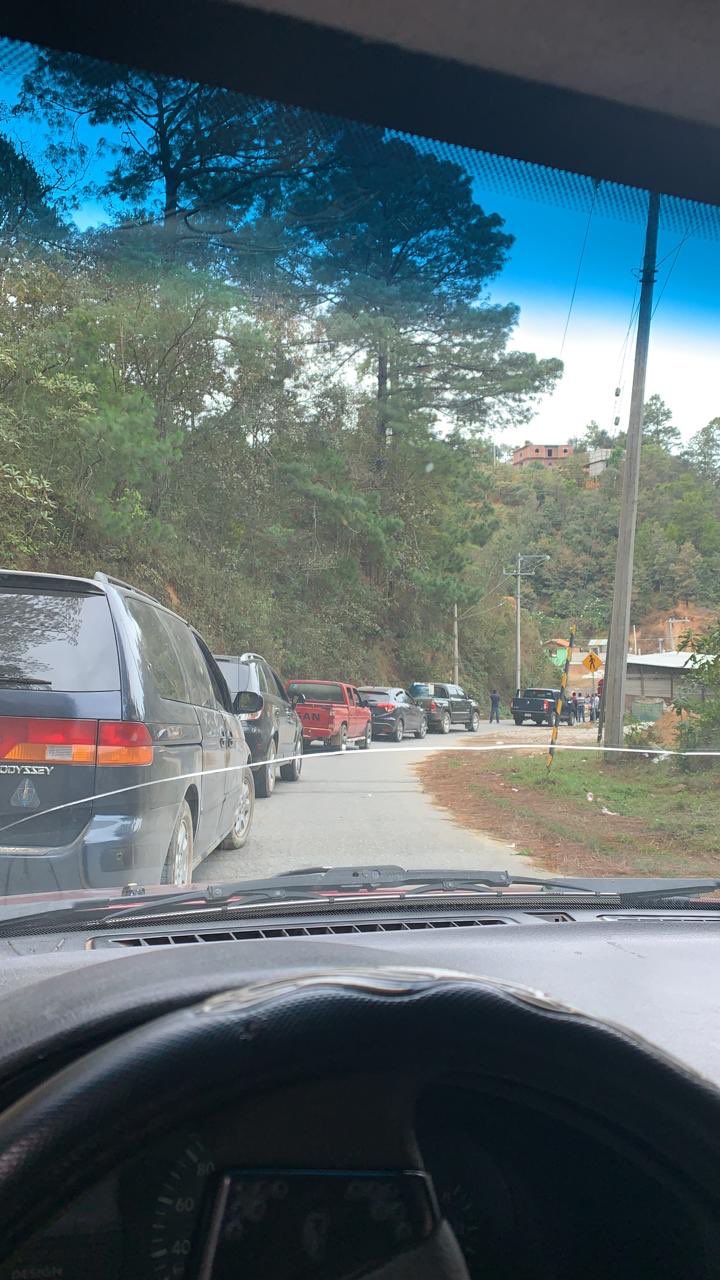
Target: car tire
[[518, 720], [266, 774], [366, 739], [474, 722], [420, 733], [445, 723], [178, 865], [240, 830], [339, 742], [291, 771], [399, 732]]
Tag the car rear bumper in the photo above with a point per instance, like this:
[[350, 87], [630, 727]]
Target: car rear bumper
[[112, 850], [384, 724], [317, 735]]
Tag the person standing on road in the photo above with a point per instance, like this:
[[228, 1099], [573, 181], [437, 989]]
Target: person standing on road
[[495, 706], [574, 706], [581, 708], [596, 705]]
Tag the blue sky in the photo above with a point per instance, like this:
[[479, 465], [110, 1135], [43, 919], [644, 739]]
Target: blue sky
[[684, 365]]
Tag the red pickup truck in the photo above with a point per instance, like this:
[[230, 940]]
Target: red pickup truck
[[332, 713]]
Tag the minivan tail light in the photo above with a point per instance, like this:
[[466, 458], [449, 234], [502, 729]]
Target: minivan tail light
[[124, 742], [34, 740], [433, 705]]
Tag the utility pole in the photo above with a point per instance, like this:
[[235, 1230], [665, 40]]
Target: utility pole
[[517, 573], [616, 665], [456, 656], [518, 663]]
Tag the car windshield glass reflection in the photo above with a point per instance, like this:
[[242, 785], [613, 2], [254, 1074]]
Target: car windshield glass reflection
[[293, 407]]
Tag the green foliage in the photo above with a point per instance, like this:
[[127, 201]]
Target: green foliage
[[264, 391], [700, 730], [658, 426]]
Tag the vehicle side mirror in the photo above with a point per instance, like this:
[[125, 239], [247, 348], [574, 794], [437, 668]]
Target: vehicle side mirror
[[246, 702], [297, 699]]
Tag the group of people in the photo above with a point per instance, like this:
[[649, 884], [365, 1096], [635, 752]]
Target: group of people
[[581, 703]]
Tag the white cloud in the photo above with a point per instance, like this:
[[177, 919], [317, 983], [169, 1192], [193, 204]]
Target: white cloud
[[682, 368]]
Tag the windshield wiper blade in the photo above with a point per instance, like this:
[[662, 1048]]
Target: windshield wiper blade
[[319, 883], [23, 680]]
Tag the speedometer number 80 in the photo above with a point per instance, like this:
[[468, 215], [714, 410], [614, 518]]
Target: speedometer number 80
[[176, 1209]]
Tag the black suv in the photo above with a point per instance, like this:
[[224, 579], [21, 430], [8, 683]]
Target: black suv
[[274, 729], [446, 705], [102, 692]]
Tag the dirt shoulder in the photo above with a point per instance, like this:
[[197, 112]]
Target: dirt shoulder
[[584, 817]]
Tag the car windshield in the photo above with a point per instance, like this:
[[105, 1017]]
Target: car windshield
[[358, 405]]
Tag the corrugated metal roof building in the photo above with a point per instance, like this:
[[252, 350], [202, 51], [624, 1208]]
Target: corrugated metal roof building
[[656, 675]]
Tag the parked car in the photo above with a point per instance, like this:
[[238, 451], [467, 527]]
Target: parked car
[[103, 690], [274, 731], [394, 713], [446, 705], [332, 713], [538, 705]]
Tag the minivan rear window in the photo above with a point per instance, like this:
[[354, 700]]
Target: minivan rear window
[[64, 639], [237, 674]]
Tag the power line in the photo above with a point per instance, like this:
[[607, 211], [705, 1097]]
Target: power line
[[596, 186], [623, 355], [671, 268]]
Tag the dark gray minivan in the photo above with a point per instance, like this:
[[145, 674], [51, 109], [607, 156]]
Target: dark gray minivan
[[121, 759]]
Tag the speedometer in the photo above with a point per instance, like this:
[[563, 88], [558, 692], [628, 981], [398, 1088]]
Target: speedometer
[[177, 1209]]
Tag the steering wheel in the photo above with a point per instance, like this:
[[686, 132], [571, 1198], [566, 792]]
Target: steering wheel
[[270, 1035]]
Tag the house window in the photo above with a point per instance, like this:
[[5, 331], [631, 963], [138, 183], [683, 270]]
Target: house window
[[549, 453]]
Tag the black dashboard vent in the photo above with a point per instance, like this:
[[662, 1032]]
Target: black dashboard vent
[[268, 932]]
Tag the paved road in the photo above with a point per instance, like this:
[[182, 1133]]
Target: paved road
[[362, 806]]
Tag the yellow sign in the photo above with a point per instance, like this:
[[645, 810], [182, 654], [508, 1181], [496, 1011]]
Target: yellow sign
[[591, 662]]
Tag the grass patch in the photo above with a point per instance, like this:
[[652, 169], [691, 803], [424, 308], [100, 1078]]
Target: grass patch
[[584, 816]]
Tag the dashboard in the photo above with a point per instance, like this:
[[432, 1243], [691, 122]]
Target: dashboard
[[528, 1195], [530, 1189]]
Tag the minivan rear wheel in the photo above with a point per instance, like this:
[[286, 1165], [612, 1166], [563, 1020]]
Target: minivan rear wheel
[[240, 829], [266, 775], [178, 865], [290, 772]]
